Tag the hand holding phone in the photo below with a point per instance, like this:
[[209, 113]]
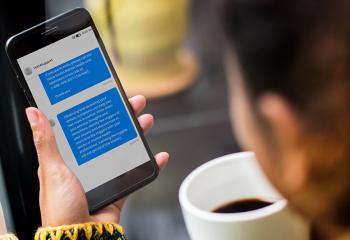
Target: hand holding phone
[[65, 71], [62, 198]]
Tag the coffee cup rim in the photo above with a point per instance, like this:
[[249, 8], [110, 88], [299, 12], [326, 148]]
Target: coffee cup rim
[[188, 206]]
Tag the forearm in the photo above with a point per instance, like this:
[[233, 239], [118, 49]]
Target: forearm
[[83, 231]]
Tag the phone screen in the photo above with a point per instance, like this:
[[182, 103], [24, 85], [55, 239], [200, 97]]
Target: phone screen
[[73, 85]]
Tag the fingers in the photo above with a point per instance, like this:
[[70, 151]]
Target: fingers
[[138, 103], [146, 122], [43, 136], [45, 141], [162, 159]]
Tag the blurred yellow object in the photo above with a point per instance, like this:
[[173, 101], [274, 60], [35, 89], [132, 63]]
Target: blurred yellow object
[[144, 38], [98, 11]]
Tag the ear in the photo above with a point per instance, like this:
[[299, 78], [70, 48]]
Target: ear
[[286, 129]]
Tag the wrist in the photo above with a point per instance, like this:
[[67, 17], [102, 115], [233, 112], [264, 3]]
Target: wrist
[[57, 222]]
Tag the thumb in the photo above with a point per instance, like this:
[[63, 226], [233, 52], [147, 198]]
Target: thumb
[[44, 138]]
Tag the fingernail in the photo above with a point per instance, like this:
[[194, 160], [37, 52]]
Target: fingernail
[[32, 116]]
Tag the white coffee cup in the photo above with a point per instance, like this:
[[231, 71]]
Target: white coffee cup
[[227, 179]]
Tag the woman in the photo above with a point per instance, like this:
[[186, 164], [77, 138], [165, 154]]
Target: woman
[[292, 106], [289, 104]]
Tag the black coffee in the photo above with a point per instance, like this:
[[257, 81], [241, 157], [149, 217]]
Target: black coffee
[[244, 205]]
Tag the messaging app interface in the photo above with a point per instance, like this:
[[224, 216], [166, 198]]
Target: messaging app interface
[[73, 85]]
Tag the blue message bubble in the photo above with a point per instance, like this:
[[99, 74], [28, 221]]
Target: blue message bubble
[[97, 126], [74, 75]]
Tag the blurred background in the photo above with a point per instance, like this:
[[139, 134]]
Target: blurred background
[[170, 51]]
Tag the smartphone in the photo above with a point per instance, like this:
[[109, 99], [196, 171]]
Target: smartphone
[[63, 69]]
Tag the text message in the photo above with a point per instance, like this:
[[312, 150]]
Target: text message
[[74, 75], [97, 126]]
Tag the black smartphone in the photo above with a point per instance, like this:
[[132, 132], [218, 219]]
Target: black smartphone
[[64, 70]]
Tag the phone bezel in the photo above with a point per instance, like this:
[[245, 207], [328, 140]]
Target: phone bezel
[[49, 32]]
